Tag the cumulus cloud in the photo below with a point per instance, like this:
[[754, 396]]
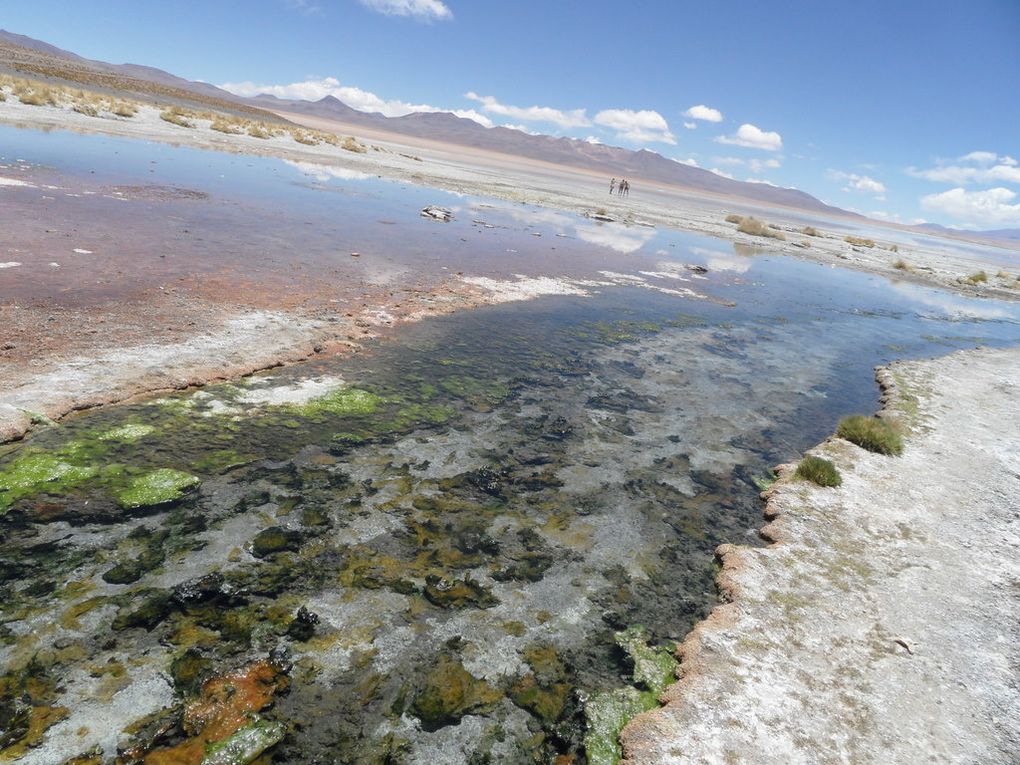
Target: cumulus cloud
[[422, 9], [756, 166], [975, 167], [752, 137], [719, 172], [565, 119], [702, 112], [644, 126], [991, 207], [690, 125], [354, 97], [690, 161], [861, 183]]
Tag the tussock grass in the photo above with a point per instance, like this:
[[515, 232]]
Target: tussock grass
[[734, 218], [902, 265], [894, 248], [819, 471], [38, 96], [857, 241], [3, 95], [124, 109], [331, 138], [810, 231], [871, 433], [754, 227], [350, 143], [84, 107], [176, 116], [978, 278], [1003, 275], [228, 126], [302, 137], [258, 130]]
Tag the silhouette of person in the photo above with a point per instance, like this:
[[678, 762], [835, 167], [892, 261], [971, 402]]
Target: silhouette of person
[[612, 185]]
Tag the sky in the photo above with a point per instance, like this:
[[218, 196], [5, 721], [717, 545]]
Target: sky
[[905, 110]]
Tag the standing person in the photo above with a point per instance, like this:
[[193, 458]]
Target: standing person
[[612, 186]]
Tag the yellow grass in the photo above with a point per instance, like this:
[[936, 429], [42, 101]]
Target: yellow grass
[[175, 115], [857, 241], [351, 144], [810, 231], [754, 227], [734, 218]]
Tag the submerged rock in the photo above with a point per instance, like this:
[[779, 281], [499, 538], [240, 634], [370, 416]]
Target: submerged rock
[[458, 593], [303, 626], [449, 692], [273, 540], [39, 472]]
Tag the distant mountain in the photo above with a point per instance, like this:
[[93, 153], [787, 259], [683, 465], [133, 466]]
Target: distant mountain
[[27, 54], [998, 235]]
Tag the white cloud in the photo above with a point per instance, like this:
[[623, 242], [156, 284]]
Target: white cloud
[[324, 172], [990, 207], [565, 119], [760, 165], [723, 173], [424, 9], [762, 181], [862, 183], [304, 7], [690, 125], [976, 167], [615, 237], [752, 137], [690, 161], [354, 97], [593, 140], [644, 126], [728, 160], [519, 128], [702, 112]]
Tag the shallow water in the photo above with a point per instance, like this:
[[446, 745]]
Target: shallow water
[[474, 510]]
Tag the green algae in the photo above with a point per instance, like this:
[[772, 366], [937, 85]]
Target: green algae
[[39, 472], [156, 488], [128, 433], [345, 402], [246, 744], [607, 712]]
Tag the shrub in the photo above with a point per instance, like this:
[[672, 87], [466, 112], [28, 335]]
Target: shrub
[[331, 138], [977, 278], [871, 433], [256, 130], [810, 231], [304, 138], [894, 248], [755, 227], [902, 265], [1002, 275], [734, 218], [819, 471], [176, 116], [125, 110], [857, 241], [230, 127], [3, 96]]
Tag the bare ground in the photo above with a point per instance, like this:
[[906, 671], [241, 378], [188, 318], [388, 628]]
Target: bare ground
[[881, 627]]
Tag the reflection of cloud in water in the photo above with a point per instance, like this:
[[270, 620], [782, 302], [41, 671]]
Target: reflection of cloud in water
[[951, 305], [747, 250], [717, 260], [324, 173], [615, 237]]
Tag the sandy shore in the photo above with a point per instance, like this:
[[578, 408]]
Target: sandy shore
[[881, 625]]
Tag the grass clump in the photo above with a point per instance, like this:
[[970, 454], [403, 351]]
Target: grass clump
[[123, 109], [871, 433], [754, 227], [3, 95], [978, 278], [38, 96], [256, 130], [734, 218], [902, 265], [304, 138], [350, 143], [230, 127], [83, 107], [810, 231], [894, 248], [819, 471], [857, 241], [176, 116]]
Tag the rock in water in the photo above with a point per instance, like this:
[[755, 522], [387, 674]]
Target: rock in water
[[435, 212], [246, 744]]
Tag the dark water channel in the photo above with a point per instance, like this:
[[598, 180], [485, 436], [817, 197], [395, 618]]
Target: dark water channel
[[443, 549]]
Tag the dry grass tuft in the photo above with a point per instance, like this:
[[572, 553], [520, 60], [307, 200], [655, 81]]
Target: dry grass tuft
[[84, 107], [37, 96], [902, 265], [350, 143], [894, 248], [754, 227], [857, 241], [810, 231], [175, 115], [258, 130], [227, 125], [734, 218], [304, 138], [124, 109], [978, 278]]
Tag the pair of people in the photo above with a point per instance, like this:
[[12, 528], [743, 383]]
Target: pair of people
[[624, 187]]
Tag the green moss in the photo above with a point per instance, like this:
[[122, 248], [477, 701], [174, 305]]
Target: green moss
[[39, 472], [245, 745], [346, 402], [819, 471], [871, 433], [128, 433], [156, 488]]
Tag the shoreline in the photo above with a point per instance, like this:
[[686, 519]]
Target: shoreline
[[848, 638]]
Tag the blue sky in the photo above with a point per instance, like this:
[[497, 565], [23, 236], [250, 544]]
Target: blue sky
[[905, 109]]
